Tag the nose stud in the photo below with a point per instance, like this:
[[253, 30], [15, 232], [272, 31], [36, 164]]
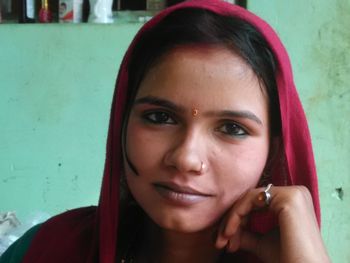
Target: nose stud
[[200, 171], [194, 112]]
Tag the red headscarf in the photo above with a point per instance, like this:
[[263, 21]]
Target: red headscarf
[[90, 234]]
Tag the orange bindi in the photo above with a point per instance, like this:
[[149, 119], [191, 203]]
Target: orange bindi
[[194, 112]]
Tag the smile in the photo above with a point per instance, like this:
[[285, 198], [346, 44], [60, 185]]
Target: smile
[[180, 195]]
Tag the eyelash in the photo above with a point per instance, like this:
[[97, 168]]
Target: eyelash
[[228, 128], [236, 129], [156, 114]]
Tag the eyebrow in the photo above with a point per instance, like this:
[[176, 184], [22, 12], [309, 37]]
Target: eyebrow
[[244, 114], [237, 114], [159, 102]]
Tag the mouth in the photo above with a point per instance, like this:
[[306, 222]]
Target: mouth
[[180, 195]]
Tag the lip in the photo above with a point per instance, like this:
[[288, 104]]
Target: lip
[[180, 195]]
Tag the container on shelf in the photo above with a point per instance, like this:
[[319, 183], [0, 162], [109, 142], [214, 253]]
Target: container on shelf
[[70, 11]]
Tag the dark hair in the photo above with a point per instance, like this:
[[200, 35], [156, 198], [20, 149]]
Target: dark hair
[[198, 26], [181, 28]]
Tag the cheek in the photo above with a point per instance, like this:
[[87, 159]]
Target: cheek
[[239, 169], [136, 145], [143, 148]]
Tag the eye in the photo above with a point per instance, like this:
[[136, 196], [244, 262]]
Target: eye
[[159, 117], [233, 129]]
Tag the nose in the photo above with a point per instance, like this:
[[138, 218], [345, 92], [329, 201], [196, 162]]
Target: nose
[[187, 155]]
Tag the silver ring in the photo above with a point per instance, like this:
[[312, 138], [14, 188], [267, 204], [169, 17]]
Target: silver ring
[[265, 195]]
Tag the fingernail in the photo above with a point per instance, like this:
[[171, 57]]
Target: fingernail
[[220, 242]]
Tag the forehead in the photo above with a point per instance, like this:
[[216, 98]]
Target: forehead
[[199, 69], [211, 54]]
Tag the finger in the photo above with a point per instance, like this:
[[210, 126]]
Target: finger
[[222, 239], [234, 241], [242, 239], [249, 242], [242, 208], [236, 218], [265, 247]]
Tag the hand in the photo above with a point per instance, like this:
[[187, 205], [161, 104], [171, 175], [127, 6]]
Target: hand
[[297, 239]]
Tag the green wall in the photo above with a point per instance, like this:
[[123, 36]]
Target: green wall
[[317, 35], [56, 84]]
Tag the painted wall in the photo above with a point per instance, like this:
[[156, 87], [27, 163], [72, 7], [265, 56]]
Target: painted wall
[[56, 84], [317, 35]]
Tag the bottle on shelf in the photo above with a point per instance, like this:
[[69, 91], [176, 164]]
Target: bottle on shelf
[[172, 2], [26, 11], [155, 5], [45, 14], [86, 10], [101, 11], [131, 5]]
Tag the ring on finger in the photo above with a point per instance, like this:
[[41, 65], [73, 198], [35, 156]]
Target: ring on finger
[[265, 196]]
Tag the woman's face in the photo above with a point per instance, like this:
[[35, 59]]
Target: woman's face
[[196, 106]]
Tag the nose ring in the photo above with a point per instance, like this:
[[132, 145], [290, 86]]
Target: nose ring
[[200, 171]]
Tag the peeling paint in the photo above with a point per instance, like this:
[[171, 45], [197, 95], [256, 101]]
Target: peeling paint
[[338, 193], [10, 178]]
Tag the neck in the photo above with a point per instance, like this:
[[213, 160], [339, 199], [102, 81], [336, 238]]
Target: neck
[[166, 246]]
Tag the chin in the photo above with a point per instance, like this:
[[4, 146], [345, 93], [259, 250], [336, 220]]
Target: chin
[[183, 223]]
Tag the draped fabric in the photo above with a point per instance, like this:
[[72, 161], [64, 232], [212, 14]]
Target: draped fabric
[[90, 234]]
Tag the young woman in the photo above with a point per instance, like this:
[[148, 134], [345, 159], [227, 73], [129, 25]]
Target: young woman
[[209, 157]]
